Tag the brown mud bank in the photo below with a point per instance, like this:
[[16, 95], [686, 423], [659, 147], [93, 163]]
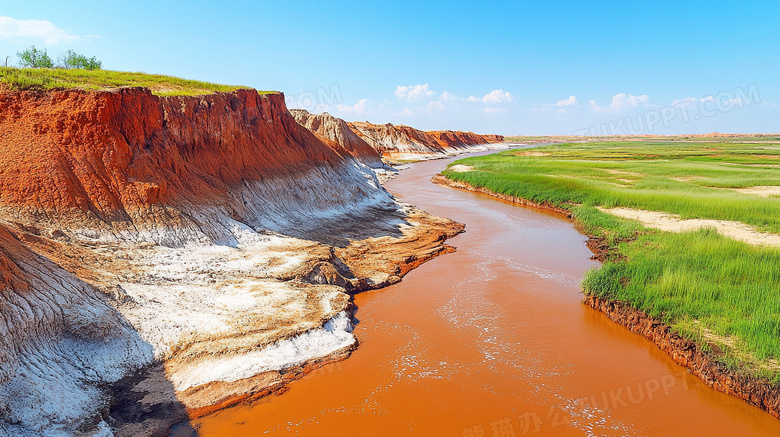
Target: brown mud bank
[[754, 390], [442, 180], [705, 365]]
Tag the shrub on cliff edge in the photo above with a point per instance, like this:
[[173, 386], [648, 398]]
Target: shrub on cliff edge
[[71, 59], [34, 58]]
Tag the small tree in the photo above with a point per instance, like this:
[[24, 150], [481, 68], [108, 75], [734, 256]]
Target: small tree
[[35, 58], [72, 59], [92, 64]]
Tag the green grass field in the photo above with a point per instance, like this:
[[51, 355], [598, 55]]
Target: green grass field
[[720, 292], [48, 78]]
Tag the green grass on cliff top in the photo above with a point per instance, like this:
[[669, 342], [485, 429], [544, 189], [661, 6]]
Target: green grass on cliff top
[[57, 78], [721, 293]]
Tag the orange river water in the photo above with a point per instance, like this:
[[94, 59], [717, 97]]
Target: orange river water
[[492, 340]]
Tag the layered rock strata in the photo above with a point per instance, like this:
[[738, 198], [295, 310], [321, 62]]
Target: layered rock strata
[[403, 143], [330, 128]]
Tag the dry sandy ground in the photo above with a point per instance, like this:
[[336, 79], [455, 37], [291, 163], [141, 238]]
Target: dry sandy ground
[[673, 223], [460, 168], [763, 191]]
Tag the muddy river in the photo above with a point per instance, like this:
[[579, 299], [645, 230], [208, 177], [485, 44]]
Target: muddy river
[[492, 340]]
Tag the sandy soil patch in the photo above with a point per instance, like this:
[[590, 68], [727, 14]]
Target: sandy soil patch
[[673, 223], [753, 165], [621, 172], [529, 153], [763, 191], [460, 168]]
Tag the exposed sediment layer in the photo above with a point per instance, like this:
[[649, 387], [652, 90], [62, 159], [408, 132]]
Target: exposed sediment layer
[[404, 143], [330, 128], [755, 390], [165, 256], [61, 341]]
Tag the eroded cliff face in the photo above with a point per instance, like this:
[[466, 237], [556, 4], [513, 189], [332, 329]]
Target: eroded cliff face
[[114, 158], [460, 140], [161, 257], [330, 128], [398, 142], [60, 342]]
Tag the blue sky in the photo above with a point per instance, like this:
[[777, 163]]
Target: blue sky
[[541, 67]]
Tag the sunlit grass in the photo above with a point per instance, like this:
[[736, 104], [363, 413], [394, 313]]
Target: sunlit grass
[[703, 284], [48, 78], [691, 180]]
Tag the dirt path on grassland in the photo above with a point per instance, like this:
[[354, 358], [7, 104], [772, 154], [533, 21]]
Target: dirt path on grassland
[[762, 191], [673, 223]]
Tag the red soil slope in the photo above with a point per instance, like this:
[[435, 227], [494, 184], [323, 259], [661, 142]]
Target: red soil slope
[[11, 276], [332, 129], [107, 152], [391, 140], [458, 139]]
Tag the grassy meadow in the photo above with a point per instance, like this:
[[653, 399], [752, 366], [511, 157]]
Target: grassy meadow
[[57, 78], [720, 292]]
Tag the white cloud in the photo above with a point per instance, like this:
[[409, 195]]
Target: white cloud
[[37, 29], [423, 92], [436, 105], [359, 108], [447, 96], [495, 96], [413, 92], [685, 100], [621, 102], [567, 102], [417, 103], [569, 105]]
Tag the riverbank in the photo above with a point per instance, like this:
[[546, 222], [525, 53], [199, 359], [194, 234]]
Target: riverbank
[[634, 255], [490, 334], [152, 400]]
